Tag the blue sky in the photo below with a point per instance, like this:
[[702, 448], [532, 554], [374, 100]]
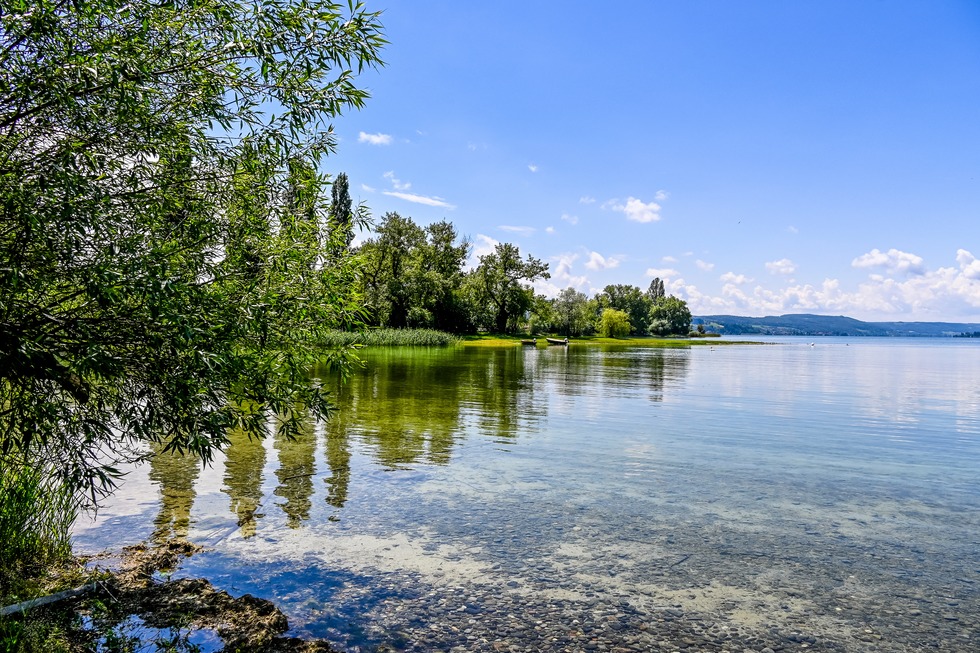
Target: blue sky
[[760, 157]]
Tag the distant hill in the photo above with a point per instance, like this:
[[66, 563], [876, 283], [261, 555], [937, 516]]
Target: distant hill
[[827, 325]]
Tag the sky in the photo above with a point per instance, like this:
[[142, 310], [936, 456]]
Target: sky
[[761, 157]]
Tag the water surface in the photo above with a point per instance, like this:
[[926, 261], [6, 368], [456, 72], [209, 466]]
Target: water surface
[[792, 495]]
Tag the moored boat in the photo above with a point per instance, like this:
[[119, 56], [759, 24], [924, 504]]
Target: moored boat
[[557, 341], [532, 341]]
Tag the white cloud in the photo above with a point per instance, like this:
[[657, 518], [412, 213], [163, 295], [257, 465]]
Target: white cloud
[[532, 167], [703, 265], [524, 231], [793, 230], [599, 262], [367, 189], [563, 272], [549, 230], [782, 266], [732, 278], [661, 195], [668, 259], [947, 293], [969, 265], [420, 199], [482, 246], [571, 219], [586, 199], [892, 261], [663, 273], [374, 139], [636, 210], [397, 183]]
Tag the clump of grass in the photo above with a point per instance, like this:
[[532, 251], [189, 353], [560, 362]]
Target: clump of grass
[[386, 337], [36, 514]]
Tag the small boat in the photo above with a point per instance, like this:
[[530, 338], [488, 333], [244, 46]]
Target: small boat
[[530, 343], [556, 341]]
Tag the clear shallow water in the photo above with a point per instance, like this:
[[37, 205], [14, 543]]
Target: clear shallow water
[[727, 496]]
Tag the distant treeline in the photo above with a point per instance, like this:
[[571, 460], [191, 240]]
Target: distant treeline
[[831, 325], [416, 277]]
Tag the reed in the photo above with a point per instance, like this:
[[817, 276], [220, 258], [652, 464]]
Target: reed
[[386, 337], [36, 514]]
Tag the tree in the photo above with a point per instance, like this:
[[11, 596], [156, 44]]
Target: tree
[[341, 210], [571, 312], [630, 300], [497, 281], [670, 316], [614, 324], [656, 290], [148, 288], [389, 273]]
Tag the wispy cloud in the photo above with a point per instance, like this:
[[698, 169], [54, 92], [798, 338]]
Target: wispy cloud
[[599, 262], [367, 189], [793, 230], [782, 266], [586, 199], [703, 265], [668, 259], [570, 219], [635, 209], [374, 139], [532, 167], [892, 261], [661, 195], [663, 273], [398, 184], [420, 199], [524, 231], [549, 230]]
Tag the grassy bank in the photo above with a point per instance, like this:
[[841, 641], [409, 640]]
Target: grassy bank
[[498, 340]]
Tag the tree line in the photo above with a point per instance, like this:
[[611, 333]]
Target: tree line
[[413, 276]]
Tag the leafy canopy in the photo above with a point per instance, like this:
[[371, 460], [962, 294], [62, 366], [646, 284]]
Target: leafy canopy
[[162, 221]]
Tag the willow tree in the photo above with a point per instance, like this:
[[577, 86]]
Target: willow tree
[[150, 290]]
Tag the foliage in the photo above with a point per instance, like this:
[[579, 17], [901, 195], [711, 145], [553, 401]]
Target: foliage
[[670, 316], [497, 287], [614, 324], [35, 516], [655, 292], [572, 316], [159, 221], [388, 337], [412, 275], [632, 301]]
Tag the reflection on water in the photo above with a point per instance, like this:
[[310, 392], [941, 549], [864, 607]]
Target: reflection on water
[[825, 496]]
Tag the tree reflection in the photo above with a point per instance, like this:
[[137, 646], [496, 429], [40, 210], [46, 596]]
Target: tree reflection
[[244, 462], [295, 474], [176, 475], [409, 408]]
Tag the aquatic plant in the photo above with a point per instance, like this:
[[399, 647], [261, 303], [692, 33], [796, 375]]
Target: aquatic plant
[[386, 337]]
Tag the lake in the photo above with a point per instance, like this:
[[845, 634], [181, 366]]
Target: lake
[[791, 496]]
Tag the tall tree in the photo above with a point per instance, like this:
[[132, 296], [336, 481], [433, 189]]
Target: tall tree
[[656, 290], [632, 301], [131, 141], [389, 274], [670, 316], [498, 280], [341, 216], [571, 312]]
